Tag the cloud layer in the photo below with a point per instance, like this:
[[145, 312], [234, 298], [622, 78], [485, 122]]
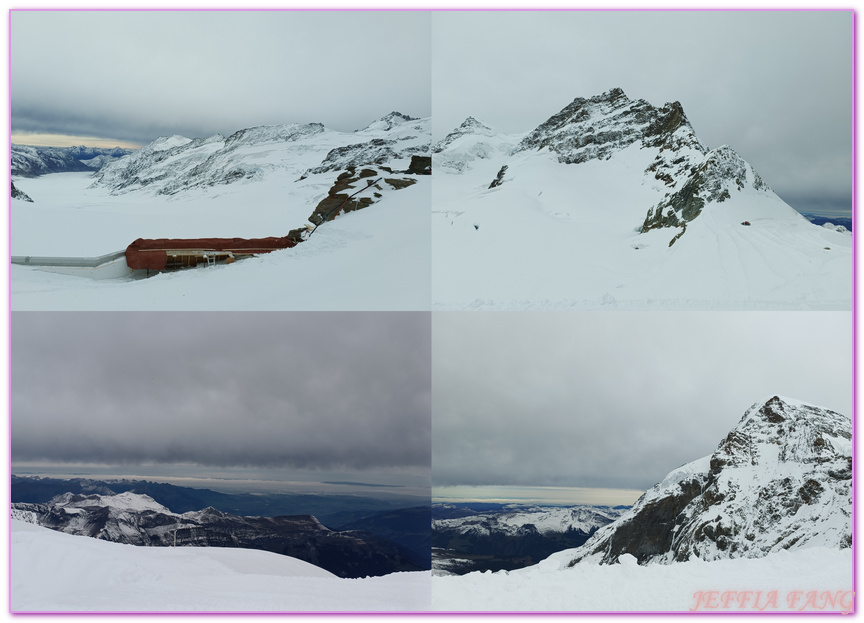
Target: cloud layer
[[137, 75], [309, 391], [616, 399]]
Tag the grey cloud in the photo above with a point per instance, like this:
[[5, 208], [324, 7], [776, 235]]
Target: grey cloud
[[145, 74], [310, 391], [616, 399]]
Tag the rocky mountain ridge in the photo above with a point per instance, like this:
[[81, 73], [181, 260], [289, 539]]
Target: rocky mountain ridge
[[169, 166], [781, 479]]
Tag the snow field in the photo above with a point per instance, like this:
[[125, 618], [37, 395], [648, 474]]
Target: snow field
[[689, 586], [52, 571], [372, 259]]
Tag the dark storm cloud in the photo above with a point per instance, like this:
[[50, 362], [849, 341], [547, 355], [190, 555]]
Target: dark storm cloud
[[137, 75], [616, 399], [774, 85], [316, 390]]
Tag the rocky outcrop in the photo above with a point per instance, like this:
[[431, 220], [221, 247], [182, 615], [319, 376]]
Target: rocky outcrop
[[499, 178], [721, 173], [782, 479], [20, 194]]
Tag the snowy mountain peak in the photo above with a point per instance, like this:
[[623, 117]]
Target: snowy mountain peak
[[167, 142], [388, 122], [126, 501], [781, 479], [470, 126]]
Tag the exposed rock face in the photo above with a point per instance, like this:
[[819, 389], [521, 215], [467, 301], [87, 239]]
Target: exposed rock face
[[499, 179], [376, 151], [721, 173], [595, 128], [138, 520], [782, 479], [420, 165], [19, 194], [345, 194]]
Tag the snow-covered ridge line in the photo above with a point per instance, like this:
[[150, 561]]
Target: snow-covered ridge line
[[172, 165], [544, 519]]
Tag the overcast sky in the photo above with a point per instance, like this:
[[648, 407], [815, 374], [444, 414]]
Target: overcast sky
[[336, 393], [616, 399], [137, 75], [776, 86]]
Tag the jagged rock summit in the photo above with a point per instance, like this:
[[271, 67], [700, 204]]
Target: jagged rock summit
[[781, 479], [596, 127]]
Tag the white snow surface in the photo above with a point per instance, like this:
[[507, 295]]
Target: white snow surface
[[52, 572], [567, 236], [627, 586]]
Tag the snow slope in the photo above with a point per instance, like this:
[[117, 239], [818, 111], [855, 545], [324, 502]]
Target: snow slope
[[52, 571], [615, 204], [693, 585]]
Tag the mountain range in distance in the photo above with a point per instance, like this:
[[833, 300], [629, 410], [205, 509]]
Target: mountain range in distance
[[483, 536], [402, 520]]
